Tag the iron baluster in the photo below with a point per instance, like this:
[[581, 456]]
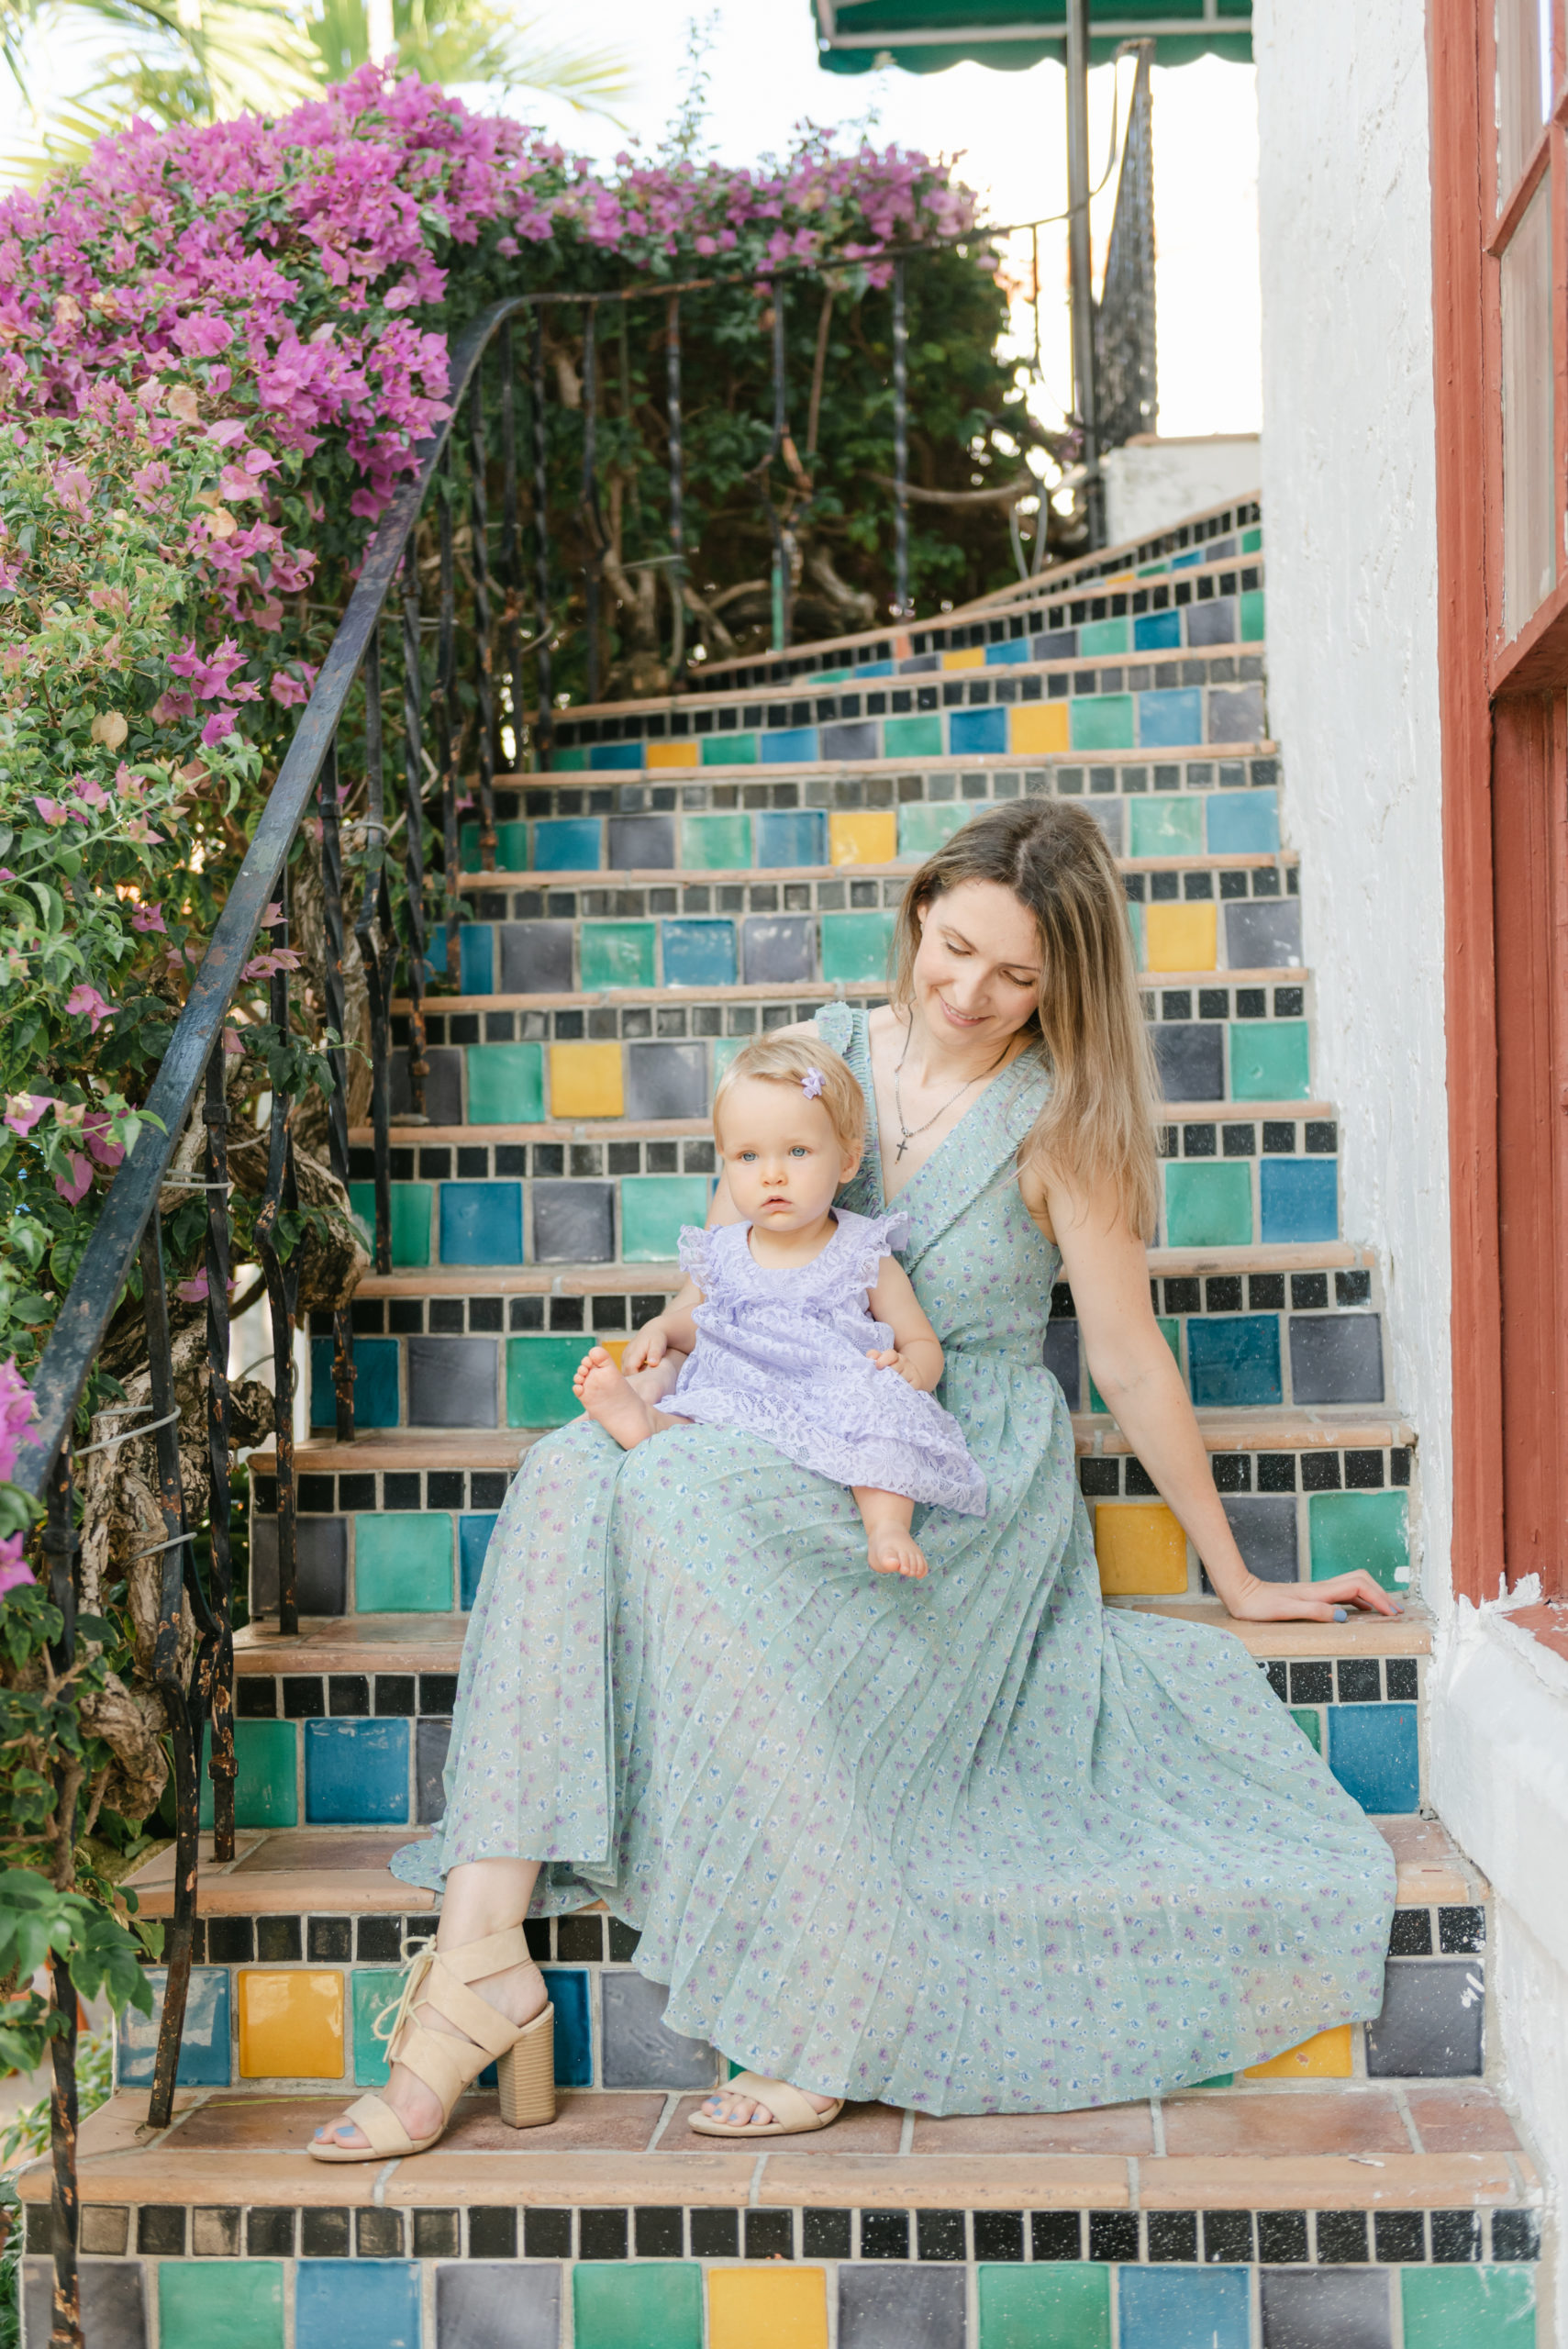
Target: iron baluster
[[544, 728], [279, 1269], [484, 656], [901, 605], [219, 1697], [677, 573], [378, 948], [60, 1546], [511, 540], [414, 839], [441, 702], [593, 523], [780, 581], [337, 1060]]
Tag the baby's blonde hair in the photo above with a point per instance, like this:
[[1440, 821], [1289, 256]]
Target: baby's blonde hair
[[790, 1060]]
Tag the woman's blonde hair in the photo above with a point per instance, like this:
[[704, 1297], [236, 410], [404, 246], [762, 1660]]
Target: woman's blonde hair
[[793, 1060], [1097, 1127]]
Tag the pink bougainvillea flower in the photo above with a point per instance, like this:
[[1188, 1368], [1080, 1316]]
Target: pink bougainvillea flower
[[23, 1110], [13, 1570], [233, 1044], [101, 1144], [17, 1410], [149, 917], [85, 1002], [218, 728], [208, 678], [73, 1187], [287, 690], [266, 966], [193, 1291], [92, 791], [50, 809]]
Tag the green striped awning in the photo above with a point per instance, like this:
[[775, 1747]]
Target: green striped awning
[[927, 36]]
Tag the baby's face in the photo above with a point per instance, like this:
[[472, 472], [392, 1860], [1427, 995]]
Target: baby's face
[[781, 1155]]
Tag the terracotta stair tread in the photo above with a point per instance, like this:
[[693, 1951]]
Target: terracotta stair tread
[[813, 991]]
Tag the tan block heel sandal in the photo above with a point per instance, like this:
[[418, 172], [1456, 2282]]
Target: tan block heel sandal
[[793, 2114], [524, 2058]]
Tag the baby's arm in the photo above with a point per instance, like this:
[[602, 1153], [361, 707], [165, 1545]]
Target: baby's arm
[[673, 1330], [917, 1355]]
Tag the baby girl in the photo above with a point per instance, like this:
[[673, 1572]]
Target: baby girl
[[796, 1321]]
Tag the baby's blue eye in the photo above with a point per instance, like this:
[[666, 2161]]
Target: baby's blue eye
[[800, 1151], [747, 1156]]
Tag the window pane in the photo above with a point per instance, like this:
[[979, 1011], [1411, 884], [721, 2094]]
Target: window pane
[[1529, 501], [1524, 84]]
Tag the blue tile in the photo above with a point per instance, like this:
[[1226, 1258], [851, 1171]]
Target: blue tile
[[792, 836], [1234, 1360], [1184, 2308], [1299, 1198], [873, 669], [1157, 632], [615, 754], [795, 742], [473, 1541], [1000, 656], [1372, 1752], [375, 1383], [573, 2033], [1170, 717], [356, 1772], [204, 2048], [476, 958], [1243, 823], [567, 845], [357, 2304], [977, 731], [698, 953], [482, 1223]]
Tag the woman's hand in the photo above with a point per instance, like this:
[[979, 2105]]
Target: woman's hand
[[1307, 1602]]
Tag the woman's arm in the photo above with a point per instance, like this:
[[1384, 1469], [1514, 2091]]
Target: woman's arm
[[917, 1353], [1107, 1267]]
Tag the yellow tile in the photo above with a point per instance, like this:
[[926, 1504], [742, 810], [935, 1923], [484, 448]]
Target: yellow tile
[[1327, 2057], [767, 2307], [585, 1081], [868, 838], [1140, 1548], [1180, 938], [1040, 726], [972, 656], [614, 1347], [671, 755], [291, 2025]]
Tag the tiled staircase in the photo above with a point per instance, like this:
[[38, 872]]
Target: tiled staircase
[[695, 871]]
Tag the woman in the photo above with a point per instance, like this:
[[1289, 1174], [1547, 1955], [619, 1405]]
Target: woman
[[972, 1843]]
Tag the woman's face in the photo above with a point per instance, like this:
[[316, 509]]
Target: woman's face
[[977, 973]]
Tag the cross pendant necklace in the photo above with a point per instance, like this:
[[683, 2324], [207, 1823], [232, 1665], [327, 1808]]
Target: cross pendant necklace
[[910, 1133]]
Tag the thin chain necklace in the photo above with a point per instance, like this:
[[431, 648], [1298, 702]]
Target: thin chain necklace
[[910, 1133]]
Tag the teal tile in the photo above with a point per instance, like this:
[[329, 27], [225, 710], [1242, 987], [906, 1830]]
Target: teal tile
[[411, 1208], [1053, 2304], [723, 1050], [1171, 827], [1170, 1330], [568, 844], [506, 1085], [654, 2304], [1140, 944], [1468, 2308], [1102, 722], [653, 1210], [1270, 1060], [1250, 541], [617, 955], [266, 1793], [924, 829], [1310, 1721], [1208, 1204], [538, 1380], [1243, 823], [574, 760], [375, 1990], [1253, 615], [403, 1562], [913, 738], [719, 843], [237, 2301], [1103, 636], [511, 848], [729, 751], [1366, 1531], [856, 946]]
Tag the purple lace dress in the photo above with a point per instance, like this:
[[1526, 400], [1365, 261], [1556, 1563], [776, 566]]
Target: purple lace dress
[[782, 1352]]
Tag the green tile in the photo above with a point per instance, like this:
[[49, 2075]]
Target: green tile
[[1056, 2304], [655, 2304], [506, 1085], [1166, 828], [511, 848], [1270, 1060], [1208, 1204], [924, 829], [1139, 946], [468, 846], [1220, 2080], [1253, 615], [237, 2301], [1371, 1531], [716, 843], [376, 1990], [912, 737], [1102, 722], [1251, 541], [403, 1562], [266, 1793], [1468, 2308], [411, 1207], [538, 1380], [1104, 636], [856, 946], [723, 1050], [653, 1210], [1310, 1721], [617, 955], [1170, 1330], [729, 751]]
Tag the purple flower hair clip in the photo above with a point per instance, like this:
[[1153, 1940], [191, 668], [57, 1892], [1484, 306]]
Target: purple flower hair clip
[[811, 1083]]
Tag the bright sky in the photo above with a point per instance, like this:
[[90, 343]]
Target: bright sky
[[1006, 128]]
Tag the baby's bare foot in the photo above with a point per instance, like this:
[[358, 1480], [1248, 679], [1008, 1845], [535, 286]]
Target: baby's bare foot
[[892, 1550], [610, 1399]]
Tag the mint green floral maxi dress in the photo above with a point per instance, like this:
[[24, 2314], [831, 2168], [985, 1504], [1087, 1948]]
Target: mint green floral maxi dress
[[970, 1845]]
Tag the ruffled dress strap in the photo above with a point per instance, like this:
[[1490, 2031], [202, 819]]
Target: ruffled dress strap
[[835, 1023], [701, 1255], [870, 1238]]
